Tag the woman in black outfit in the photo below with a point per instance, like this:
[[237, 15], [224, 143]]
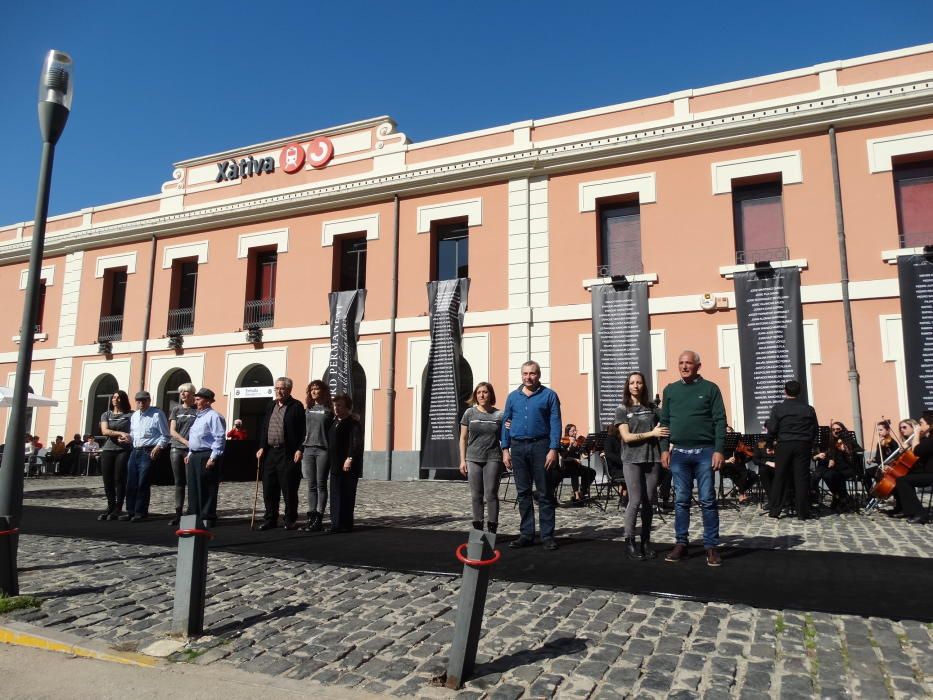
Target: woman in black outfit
[[571, 451], [920, 475], [115, 424], [837, 464], [345, 457]]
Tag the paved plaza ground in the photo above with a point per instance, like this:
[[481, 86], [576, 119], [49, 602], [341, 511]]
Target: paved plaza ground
[[385, 632]]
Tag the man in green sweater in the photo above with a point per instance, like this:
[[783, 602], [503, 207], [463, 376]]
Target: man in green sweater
[[693, 410]]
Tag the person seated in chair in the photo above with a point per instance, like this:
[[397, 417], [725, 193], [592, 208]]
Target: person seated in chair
[[736, 469], [612, 453], [581, 477], [837, 464]]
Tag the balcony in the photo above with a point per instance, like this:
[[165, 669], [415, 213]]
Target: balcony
[[110, 328], [180, 322], [259, 313], [747, 257]]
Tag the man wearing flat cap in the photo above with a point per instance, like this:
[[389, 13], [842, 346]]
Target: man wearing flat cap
[[281, 445], [149, 433], [206, 440]]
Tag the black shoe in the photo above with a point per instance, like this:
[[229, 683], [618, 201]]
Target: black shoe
[[124, 517], [137, 518], [647, 551], [113, 516], [477, 524], [492, 527], [266, 525], [291, 526], [209, 523], [549, 543], [918, 519], [174, 521], [632, 550], [522, 541], [104, 516], [336, 530]]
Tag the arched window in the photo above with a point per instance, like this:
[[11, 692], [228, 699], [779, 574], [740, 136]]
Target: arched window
[[98, 401], [168, 392], [251, 409]]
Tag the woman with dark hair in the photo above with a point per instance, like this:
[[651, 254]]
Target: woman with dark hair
[[115, 425], [571, 451], [345, 456], [481, 454], [639, 426], [838, 463], [319, 414], [884, 451], [921, 474]]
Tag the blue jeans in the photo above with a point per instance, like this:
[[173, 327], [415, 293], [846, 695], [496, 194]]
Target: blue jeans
[[137, 481], [685, 468], [527, 469]]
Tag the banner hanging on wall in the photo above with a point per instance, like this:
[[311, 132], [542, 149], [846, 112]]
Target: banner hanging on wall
[[915, 275], [346, 312], [770, 324], [621, 345], [440, 406]]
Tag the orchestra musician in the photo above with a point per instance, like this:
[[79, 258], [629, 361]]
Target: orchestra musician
[[836, 464], [884, 450], [736, 469], [581, 477], [794, 425], [920, 475]]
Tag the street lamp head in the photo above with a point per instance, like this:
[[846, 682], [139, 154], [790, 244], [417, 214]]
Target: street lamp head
[[56, 88], [55, 82]]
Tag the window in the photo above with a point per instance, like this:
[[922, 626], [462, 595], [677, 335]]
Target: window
[[260, 302], [451, 259], [351, 264], [105, 387], [112, 305], [184, 289], [758, 217], [620, 239], [169, 398], [913, 191]]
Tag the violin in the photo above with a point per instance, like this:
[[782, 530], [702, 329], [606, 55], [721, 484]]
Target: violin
[[568, 441], [743, 449]]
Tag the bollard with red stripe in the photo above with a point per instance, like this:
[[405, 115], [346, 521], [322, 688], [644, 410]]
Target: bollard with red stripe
[[190, 577], [478, 555]]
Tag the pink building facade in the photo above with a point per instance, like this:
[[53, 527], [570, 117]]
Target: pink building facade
[[222, 278]]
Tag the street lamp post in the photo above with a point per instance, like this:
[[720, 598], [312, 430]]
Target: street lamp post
[[56, 89]]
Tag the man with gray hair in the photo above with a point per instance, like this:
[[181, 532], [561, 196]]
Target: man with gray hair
[[180, 419], [281, 439], [531, 431], [693, 410]]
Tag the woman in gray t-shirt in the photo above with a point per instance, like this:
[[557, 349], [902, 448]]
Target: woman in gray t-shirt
[[481, 454], [639, 429], [319, 414]]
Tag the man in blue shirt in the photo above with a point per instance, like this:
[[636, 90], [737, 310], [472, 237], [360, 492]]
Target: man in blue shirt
[[149, 432], [206, 442], [531, 430]]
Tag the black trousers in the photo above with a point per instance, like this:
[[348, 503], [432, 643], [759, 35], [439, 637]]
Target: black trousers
[[281, 476], [907, 494], [203, 484], [791, 466], [342, 498], [113, 469]]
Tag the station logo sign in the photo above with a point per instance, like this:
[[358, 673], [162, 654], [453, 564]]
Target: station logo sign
[[292, 158]]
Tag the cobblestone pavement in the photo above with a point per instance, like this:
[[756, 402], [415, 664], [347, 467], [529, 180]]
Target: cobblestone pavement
[[387, 632]]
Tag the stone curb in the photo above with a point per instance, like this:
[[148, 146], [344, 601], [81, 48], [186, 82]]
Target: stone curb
[[26, 635]]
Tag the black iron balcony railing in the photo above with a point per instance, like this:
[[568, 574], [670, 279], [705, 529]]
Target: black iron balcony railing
[[259, 313], [746, 257], [110, 328], [180, 321]]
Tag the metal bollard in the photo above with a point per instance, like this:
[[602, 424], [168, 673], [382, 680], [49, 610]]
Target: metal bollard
[[190, 577], [480, 556]]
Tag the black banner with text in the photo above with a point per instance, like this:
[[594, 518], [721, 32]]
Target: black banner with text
[[770, 323], [346, 312], [915, 274], [440, 407], [621, 345]]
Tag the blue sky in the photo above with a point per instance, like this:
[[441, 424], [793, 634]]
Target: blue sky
[[162, 82]]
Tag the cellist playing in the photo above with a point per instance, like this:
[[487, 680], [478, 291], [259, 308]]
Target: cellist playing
[[920, 475]]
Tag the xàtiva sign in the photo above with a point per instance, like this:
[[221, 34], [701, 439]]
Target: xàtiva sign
[[318, 153]]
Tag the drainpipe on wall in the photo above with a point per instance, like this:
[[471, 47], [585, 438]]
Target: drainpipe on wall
[[152, 262], [844, 283], [390, 379]]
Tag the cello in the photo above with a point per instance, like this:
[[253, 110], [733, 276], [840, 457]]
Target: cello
[[898, 467]]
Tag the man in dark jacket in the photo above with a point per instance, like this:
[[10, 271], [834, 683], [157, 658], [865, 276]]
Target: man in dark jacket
[[281, 435], [793, 424]]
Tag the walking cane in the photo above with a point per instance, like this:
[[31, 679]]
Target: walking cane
[[252, 520]]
